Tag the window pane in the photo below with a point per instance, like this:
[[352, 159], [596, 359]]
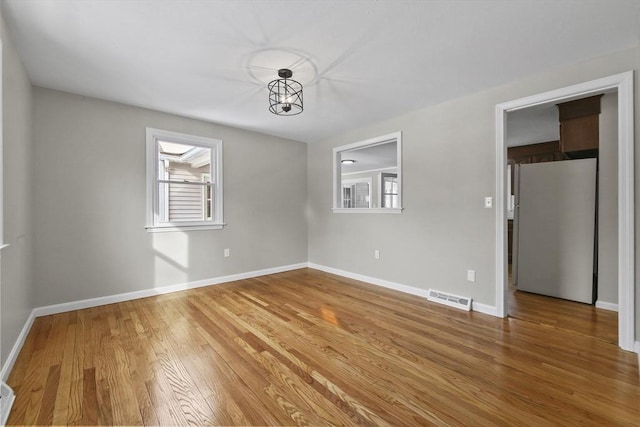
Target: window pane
[[346, 197], [181, 202], [183, 162], [390, 190], [362, 195], [207, 200], [356, 195], [390, 185], [391, 201]]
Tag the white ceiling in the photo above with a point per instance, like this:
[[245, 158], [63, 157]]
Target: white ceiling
[[359, 61]]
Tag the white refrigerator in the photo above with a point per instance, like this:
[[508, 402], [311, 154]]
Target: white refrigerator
[[555, 224]]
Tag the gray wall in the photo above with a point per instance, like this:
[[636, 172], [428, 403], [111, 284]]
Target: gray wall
[[608, 201], [448, 167], [90, 202], [16, 278]]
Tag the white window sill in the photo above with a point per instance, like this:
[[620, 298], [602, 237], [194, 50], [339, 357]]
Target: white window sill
[[2, 246], [368, 210], [163, 229]]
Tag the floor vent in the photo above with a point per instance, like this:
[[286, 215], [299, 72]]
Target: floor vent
[[451, 300]]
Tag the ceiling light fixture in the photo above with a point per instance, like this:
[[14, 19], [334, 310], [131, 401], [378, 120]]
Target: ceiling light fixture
[[285, 94], [347, 161]]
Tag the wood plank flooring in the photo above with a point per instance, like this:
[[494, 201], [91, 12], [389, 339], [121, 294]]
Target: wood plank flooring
[[309, 348], [562, 314]]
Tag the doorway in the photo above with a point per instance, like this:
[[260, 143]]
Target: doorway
[[623, 85]]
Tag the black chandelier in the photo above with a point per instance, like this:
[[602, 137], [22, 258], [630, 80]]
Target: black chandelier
[[285, 95]]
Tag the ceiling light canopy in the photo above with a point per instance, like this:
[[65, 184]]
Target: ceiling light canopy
[[285, 94]]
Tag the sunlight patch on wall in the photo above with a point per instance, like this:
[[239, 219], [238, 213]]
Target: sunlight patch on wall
[[171, 258]]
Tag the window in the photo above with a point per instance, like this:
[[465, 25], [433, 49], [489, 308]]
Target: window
[[184, 182], [389, 188], [367, 176], [356, 193]]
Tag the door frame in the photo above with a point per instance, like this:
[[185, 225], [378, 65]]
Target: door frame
[[623, 83]]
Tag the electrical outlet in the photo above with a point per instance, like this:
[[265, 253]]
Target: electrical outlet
[[227, 253], [471, 275], [376, 254], [488, 202]]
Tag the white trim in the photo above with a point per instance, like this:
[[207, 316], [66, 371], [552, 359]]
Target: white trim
[[376, 140], [607, 305], [500, 209], [392, 168], [17, 346], [7, 402], [483, 308], [372, 280], [128, 296], [424, 293], [162, 229], [2, 245], [206, 202], [152, 202], [337, 177], [623, 83], [637, 350], [368, 210], [6, 245], [626, 213]]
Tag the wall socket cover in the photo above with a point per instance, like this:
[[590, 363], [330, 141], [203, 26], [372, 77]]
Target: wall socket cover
[[471, 275]]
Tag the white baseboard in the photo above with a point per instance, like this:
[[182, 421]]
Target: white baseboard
[[17, 346], [484, 308], [607, 305], [374, 281], [94, 302], [128, 296], [6, 403], [475, 306]]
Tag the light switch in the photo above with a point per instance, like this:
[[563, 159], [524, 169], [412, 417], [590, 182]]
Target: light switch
[[488, 202]]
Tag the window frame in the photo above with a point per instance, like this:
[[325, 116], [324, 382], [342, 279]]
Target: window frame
[[206, 197], [337, 174], [153, 188]]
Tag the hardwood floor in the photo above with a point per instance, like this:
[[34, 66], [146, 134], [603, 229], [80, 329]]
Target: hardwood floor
[[562, 314], [309, 348]]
